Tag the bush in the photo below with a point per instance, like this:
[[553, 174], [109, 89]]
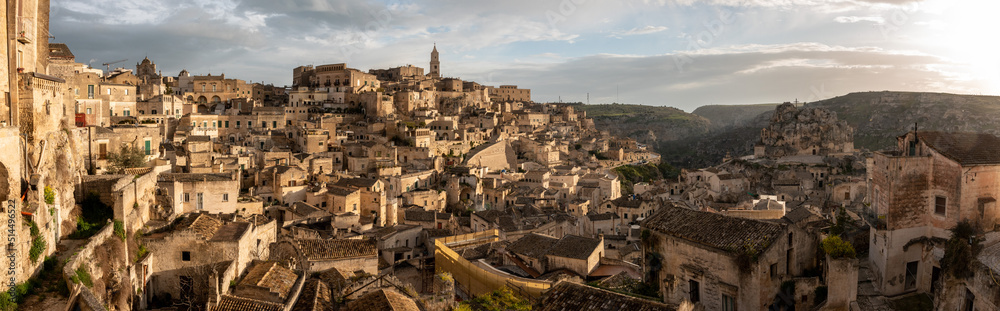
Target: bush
[[500, 299], [37, 243], [83, 276], [37, 248], [838, 248], [50, 195], [120, 229], [127, 157], [961, 250], [819, 295], [142, 251]]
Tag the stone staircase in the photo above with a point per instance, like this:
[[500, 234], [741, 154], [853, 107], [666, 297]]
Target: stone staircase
[[869, 297]]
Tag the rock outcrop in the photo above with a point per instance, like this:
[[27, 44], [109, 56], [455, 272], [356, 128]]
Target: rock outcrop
[[808, 131]]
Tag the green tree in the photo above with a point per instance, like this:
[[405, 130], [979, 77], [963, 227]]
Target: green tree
[[960, 251], [502, 299], [128, 157], [838, 248]]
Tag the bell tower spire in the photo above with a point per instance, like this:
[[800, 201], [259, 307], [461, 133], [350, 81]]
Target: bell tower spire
[[435, 63]]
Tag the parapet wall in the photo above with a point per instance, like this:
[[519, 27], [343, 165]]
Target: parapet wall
[[474, 279]]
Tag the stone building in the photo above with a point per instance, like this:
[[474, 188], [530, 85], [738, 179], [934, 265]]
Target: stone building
[[538, 254], [185, 258], [192, 192], [506, 93], [722, 262], [927, 185]]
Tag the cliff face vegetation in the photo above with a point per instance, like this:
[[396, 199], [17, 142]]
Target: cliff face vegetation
[[712, 132], [732, 116], [650, 125]]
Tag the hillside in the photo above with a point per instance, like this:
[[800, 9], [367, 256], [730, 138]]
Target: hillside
[[651, 125], [877, 117], [730, 116]]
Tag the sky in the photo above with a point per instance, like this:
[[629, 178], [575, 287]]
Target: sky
[[679, 53]]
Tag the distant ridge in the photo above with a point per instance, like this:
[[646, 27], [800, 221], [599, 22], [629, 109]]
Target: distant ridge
[[878, 117]]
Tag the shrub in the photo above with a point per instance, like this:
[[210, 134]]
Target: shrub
[[83, 276], [838, 248], [37, 248], [819, 295], [142, 251], [120, 229], [50, 195], [960, 251], [37, 243]]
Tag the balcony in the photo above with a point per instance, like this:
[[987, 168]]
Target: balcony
[[21, 37]]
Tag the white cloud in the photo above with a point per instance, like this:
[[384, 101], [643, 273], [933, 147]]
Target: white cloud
[[855, 19], [639, 31]]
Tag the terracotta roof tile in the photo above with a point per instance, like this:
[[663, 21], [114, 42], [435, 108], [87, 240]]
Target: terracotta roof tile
[[963, 147], [233, 303], [572, 296], [337, 249], [721, 232], [271, 275], [382, 300], [315, 296]]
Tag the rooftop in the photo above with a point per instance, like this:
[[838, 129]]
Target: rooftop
[[233, 303], [271, 275], [963, 147], [713, 230], [382, 300], [194, 177], [337, 249], [572, 296]]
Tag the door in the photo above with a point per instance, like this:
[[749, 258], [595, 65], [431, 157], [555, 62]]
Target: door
[[694, 291], [201, 201], [911, 276]]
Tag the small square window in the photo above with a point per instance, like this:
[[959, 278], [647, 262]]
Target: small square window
[[186, 256]]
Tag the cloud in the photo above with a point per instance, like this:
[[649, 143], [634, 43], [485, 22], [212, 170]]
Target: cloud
[[855, 19], [739, 75], [639, 31]]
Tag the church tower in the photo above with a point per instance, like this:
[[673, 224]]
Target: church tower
[[435, 64]]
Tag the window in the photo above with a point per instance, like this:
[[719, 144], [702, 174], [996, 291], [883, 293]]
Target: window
[[187, 197], [970, 301], [225, 197], [90, 91], [774, 270], [940, 204], [126, 91], [728, 303], [109, 91], [90, 111], [154, 111], [186, 256], [274, 124], [237, 124], [694, 291], [249, 124]]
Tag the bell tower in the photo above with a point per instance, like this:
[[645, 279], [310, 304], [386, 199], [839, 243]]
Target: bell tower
[[435, 64]]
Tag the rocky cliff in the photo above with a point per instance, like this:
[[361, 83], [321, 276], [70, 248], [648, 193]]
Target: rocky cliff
[[806, 131]]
